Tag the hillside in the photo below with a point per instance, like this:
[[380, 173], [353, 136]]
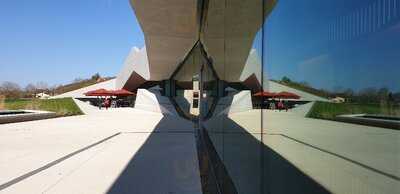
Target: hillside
[[80, 84], [305, 88]]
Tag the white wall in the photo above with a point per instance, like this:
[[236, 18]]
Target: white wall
[[152, 100]]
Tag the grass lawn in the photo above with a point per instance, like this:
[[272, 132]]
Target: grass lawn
[[62, 107], [326, 110]]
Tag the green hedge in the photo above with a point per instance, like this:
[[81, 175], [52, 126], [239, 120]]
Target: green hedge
[[62, 106], [327, 110]]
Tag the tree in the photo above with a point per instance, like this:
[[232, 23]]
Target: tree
[[396, 97], [42, 86], [52, 90], [348, 92], [369, 95], [286, 79], [96, 76], [77, 80], [304, 83], [338, 89], [383, 93], [10, 90], [30, 90]]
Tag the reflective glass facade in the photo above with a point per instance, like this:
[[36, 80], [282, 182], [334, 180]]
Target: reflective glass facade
[[230, 97], [294, 96]]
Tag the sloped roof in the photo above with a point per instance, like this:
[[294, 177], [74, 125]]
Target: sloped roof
[[79, 93]]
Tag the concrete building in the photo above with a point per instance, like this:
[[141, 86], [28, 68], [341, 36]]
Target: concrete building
[[193, 128]]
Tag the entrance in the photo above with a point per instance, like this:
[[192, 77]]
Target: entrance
[[194, 85]]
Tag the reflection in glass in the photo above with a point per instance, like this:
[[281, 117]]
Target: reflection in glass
[[186, 83], [209, 96], [342, 59], [296, 96]]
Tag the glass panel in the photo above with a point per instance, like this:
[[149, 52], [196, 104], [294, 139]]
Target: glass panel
[[232, 39], [296, 96], [340, 59], [186, 83], [209, 90]]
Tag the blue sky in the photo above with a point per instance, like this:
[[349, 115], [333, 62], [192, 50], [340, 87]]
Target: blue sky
[[58, 41], [299, 46]]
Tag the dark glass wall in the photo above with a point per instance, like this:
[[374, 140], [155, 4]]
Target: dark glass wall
[[307, 96], [232, 38], [295, 96], [342, 58], [183, 78]]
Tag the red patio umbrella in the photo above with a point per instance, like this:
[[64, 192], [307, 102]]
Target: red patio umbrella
[[122, 92], [265, 94], [287, 95], [98, 92]]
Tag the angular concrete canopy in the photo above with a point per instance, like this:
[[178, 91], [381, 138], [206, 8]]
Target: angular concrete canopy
[[228, 34], [251, 73], [135, 71], [170, 30]]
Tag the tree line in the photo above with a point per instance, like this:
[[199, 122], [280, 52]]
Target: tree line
[[369, 95], [12, 90]]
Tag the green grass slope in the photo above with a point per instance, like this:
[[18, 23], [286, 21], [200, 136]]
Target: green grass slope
[[327, 110], [62, 106]]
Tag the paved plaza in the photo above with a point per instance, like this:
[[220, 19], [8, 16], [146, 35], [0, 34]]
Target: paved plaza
[[113, 151], [127, 149]]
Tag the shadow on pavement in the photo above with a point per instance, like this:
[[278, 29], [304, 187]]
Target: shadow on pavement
[[252, 166], [165, 163]]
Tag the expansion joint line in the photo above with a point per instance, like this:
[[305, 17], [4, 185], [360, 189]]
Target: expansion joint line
[[391, 176], [53, 163]]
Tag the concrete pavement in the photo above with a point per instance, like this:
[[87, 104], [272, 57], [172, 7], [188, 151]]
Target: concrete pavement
[[68, 155], [142, 148], [342, 157]]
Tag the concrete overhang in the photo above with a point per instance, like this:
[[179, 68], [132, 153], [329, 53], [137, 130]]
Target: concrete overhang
[[171, 28]]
